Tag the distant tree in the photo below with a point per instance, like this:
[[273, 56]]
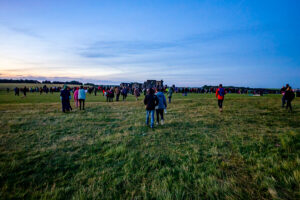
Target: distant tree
[[18, 81]]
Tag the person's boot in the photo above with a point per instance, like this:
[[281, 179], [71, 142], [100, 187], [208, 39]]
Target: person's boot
[[162, 122]]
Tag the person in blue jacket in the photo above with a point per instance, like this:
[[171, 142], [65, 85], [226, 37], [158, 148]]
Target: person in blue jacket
[[81, 97], [162, 104]]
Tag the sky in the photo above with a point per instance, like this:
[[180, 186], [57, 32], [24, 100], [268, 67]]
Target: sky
[[253, 43]]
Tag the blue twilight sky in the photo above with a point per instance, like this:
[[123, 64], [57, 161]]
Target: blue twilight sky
[[252, 43]]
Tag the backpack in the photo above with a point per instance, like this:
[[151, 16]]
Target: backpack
[[221, 92]]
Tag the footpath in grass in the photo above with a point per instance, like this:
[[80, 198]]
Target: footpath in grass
[[250, 151]]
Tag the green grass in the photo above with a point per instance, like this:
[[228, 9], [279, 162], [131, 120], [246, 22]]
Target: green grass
[[250, 151]]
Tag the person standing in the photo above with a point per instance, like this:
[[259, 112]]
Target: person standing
[[117, 91], [283, 100], [162, 104], [150, 101], [124, 93], [25, 91], [289, 96], [65, 97], [170, 93], [136, 93], [76, 96], [95, 91], [220, 93], [81, 97], [17, 91]]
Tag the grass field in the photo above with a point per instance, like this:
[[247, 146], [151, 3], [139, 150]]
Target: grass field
[[250, 151]]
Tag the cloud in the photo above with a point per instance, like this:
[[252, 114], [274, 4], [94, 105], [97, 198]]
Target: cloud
[[23, 30], [26, 31], [103, 49]]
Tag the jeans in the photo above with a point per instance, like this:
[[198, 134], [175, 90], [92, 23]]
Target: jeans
[[148, 112], [170, 99]]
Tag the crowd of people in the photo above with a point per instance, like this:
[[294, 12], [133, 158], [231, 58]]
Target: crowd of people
[[155, 100]]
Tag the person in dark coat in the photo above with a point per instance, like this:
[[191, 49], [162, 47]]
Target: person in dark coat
[[289, 96], [17, 91], [65, 96], [25, 91], [124, 93], [150, 101]]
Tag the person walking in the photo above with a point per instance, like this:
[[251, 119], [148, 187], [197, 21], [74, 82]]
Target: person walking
[[220, 93], [150, 101], [81, 97], [65, 97], [289, 96], [76, 96], [162, 104]]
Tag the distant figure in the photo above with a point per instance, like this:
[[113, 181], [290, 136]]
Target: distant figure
[[150, 101], [283, 100], [111, 94], [289, 96], [65, 97], [185, 91], [17, 91], [118, 92], [136, 93], [170, 93], [76, 97], [220, 93], [95, 91], [25, 91], [81, 97], [162, 104], [7, 90], [124, 93]]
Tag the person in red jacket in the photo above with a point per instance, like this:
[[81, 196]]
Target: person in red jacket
[[220, 93]]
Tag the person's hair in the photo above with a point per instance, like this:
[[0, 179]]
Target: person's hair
[[159, 89], [81, 87], [220, 85]]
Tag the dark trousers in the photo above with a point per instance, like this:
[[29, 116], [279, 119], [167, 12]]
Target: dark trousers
[[220, 103], [289, 105], [124, 96], [81, 102], [283, 100], [117, 97], [161, 113], [170, 99], [66, 105]]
